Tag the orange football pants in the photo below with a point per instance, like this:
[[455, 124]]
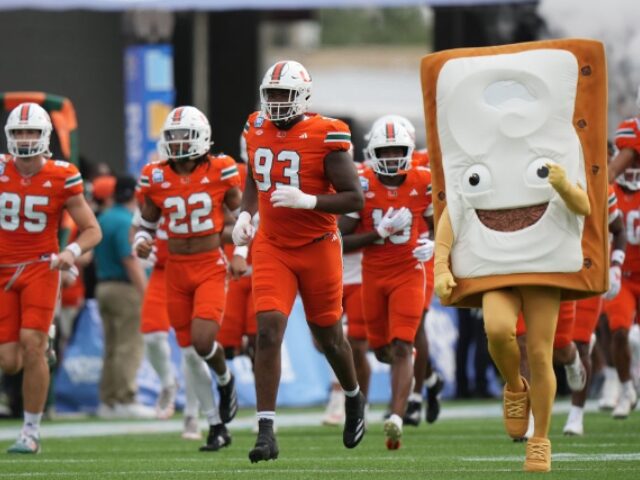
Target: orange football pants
[[239, 315], [393, 303], [155, 316], [29, 302], [314, 270], [196, 288]]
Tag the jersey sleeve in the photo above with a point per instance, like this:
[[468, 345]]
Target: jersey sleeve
[[627, 135], [73, 184], [337, 136], [144, 182], [229, 173], [612, 203]]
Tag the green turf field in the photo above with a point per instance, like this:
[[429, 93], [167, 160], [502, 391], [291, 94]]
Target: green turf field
[[449, 449]]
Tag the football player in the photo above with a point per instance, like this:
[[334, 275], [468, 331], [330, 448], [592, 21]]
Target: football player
[[397, 198], [34, 191], [189, 190], [300, 176]]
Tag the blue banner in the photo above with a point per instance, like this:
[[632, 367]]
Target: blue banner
[[149, 97], [305, 378]]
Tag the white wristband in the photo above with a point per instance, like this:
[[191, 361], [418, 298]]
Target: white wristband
[[149, 225], [618, 256], [244, 216], [241, 251], [75, 249], [141, 236]]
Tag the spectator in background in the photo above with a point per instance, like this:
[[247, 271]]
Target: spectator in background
[[100, 199], [72, 292], [471, 332], [121, 284]]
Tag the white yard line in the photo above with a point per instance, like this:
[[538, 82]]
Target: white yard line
[[62, 429]]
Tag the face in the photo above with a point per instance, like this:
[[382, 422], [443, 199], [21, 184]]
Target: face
[[26, 139], [501, 119], [279, 95], [174, 138], [391, 157]]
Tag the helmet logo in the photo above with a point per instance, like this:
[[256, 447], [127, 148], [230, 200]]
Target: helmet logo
[[277, 72], [390, 131], [177, 115], [24, 113], [304, 76]]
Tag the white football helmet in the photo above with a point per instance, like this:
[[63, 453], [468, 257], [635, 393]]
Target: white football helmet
[[28, 116], [289, 76], [385, 135], [404, 121], [186, 134]]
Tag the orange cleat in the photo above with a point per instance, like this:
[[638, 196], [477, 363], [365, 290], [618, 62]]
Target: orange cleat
[[538, 456], [516, 408]]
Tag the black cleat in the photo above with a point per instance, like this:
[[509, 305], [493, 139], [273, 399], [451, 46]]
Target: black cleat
[[266, 447], [412, 415], [433, 400], [228, 400], [354, 420], [218, 438]]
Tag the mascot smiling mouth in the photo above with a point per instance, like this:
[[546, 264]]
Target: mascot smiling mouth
[[511, 219]]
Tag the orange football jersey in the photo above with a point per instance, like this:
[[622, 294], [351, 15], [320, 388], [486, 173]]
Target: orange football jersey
[[612, 201], [192, 204], [162, 240], [629, 204], [293, 157], [31, 208], [415, 194], [420, 158]]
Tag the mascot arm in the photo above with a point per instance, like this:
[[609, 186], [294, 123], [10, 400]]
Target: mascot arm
[[575, 198], [444, 281]]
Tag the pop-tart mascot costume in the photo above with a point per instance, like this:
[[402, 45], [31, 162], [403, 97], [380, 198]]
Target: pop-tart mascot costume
[[517, 139]]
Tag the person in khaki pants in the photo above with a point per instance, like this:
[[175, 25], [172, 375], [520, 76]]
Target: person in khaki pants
[[121, 284]]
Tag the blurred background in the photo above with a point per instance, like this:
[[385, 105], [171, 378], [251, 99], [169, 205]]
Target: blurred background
[[123, 67], [113, 69]]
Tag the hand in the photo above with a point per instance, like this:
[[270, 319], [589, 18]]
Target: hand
[[615, 279], [292, 197], [150, 261], [393, 221], [68, 277], [243, 231], [444, 284], [557, 177], [142, 247], [237, 267], [424, 251], [63, 261]]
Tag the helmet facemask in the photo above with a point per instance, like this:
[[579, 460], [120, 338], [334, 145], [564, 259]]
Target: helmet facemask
[[390, 148], [630, 179], [30, 145], [290, 103], [393, 164]]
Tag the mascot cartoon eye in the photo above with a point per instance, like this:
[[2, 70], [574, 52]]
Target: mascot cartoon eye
[[476, 179], [537, 174]]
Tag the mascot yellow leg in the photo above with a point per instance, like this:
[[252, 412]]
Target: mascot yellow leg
[[540, 306]]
